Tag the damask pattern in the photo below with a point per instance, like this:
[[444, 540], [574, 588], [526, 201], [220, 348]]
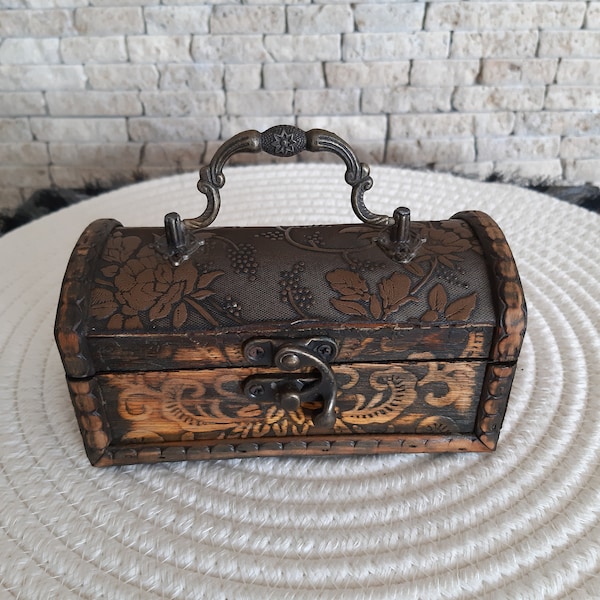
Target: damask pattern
[[186, 406], [325, 273]]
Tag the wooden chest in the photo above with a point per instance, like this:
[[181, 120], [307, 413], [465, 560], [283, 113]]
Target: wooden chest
[[192, 342]]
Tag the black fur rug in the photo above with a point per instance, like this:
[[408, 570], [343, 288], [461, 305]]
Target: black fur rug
[[45, 201]]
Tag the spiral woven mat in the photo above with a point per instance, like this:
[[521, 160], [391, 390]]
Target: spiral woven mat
[[523, 522]]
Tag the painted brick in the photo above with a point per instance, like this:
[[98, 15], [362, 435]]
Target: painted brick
[[592, 16], [230, 125], [320, 19], [176, 20], [422, 152], [243, 77], [69, 177], [34, 4], [229, 49], [126, 2], [114, 77], [579, 71], [530, 172], [36, 23], [407, 99], [389, 17], [451, 125], [514, 72], [494, 44], [28, 153], [79, 130], [431, 125], [29, 51], [15, 130], [583, 171], [16, 104], [247, 19], [25, 177], [303, 48], [470, 99], [517, 148], [563, 97], [106, 156], [171, 154], [569, 44], [195, 77], [159, 48], [183, 103], [333, 102], [388, 46], [261, 102], [93, 104], [109, 21], [285, 76], [359, 127], [38, 77], [93, 49], [444, 72], [480, 16], [494, 123], [193, 129], [557, 123], [367, 74], [580, 147]]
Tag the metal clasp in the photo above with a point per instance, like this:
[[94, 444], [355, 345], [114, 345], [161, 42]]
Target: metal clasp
[[301, 357]]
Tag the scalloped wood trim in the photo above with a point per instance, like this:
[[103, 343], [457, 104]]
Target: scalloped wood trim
[[512, 309], [73, 304], [298, 446]]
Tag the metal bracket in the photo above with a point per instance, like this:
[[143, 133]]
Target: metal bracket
[[299, 357], [178, 243], [397, 240]]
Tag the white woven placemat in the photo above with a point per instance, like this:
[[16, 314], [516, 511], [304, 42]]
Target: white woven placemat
[[521, 523]]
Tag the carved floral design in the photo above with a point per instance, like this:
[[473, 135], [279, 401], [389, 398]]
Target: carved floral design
[[159, 406], [439, 309], [137, 283], [355, 298]]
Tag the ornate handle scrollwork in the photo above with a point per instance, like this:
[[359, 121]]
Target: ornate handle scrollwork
[[285, 141], [397, 241]]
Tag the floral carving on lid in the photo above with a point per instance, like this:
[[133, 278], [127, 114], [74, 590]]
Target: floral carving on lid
[[136, 283]]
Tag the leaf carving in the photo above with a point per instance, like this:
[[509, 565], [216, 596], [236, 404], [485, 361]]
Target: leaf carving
[[102, 303], [110, 271], [348, 307], [348, 284], [461, 309], [180, 315], [437, 298], [375, 306], [205, 280], [430, 316], [394, 292]]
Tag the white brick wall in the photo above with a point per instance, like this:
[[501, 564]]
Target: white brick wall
[[111, 88]]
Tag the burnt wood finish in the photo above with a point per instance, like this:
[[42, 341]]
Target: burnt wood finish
[[159, 392], [379, 337]]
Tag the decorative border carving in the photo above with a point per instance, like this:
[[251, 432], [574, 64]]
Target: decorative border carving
[[301, 446], [73, 305], [494, 400], [512, 310], [86, 396]]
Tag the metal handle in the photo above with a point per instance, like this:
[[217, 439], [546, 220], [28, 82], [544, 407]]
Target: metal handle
[[283, 141]]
